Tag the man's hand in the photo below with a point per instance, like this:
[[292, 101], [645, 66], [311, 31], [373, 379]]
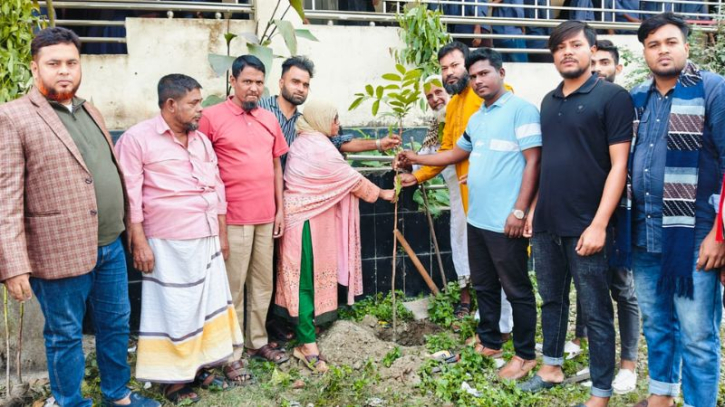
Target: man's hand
[[408, 180], [390, 141], [529, 226], [463, 179], [400, 165], [278, 230], [143, 256], [592, 240], [407, 157], [712, 254], [19, 287], [224, 243], [514, 227]]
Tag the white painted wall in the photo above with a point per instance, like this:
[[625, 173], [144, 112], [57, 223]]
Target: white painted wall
[[346, 58]]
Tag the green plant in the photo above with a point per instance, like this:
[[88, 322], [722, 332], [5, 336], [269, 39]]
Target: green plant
[[423, 34], [392, 356], [707, 50], [437, 198], [18, 20], [380, 306], [440, 341], [400, 94], [442, 306]]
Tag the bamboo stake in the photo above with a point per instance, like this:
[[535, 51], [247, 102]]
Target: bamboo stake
[[416, 262], [18, 361], [7, 343], [437, 249]]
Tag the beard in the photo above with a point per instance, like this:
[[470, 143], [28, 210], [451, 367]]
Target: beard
[[191, 126], [249, 106], [51, 94], [440, 114], [574, 74], [294, 100], [609, 78], [668, 72], [457, 87]]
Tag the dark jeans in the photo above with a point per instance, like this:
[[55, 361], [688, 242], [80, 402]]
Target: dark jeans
[[622, 289], [497, 261], [556, 262], [63, 302]]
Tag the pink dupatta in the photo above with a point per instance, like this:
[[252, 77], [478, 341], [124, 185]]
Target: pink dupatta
[[320, 186]]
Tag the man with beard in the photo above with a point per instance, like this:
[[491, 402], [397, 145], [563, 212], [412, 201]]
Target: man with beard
[[249, 143], [586, 132], [61, 217], [463, 104], [668, 231], [605, 64], [177, 206], [503, 140], [294, 86]]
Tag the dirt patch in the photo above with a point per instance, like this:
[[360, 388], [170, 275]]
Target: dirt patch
[[409, 333]]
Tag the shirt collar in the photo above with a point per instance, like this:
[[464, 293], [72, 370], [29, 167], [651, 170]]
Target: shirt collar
[[76, 102], [162, 128], [500, 102], [237, 110], [585, 88], [274, 103]]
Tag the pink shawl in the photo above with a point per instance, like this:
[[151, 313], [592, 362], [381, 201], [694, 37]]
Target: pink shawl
[[320, 186]]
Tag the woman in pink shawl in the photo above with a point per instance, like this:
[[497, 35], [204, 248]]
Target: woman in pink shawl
[[320, 247]]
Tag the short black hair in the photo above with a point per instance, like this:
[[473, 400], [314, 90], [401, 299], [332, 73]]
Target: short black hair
[[53, 36], [175, 86], [568, 29], [606, 45], [655, 22], [244, 61], [300, 62], [453, 46], [485, 54]]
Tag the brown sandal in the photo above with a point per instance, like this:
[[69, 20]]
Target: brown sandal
[[237, 374], [270, 354], [316, 363]]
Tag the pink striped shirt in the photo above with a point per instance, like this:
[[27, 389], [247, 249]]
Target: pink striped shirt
[[174, 190]]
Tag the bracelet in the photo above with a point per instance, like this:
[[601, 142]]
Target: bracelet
[[378, 145]]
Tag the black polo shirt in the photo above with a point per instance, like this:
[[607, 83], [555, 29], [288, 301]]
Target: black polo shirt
[[576, 133]]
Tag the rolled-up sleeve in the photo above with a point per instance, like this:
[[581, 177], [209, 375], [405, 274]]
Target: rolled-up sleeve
[[131, 159]]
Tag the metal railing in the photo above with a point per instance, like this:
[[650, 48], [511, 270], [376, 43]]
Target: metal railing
[[162, 8]]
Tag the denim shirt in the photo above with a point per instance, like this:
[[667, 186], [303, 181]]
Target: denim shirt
[[508, 12], [479, 9], [649, 161]]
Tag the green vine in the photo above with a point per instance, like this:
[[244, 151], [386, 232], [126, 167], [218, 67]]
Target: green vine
[[18, 19]]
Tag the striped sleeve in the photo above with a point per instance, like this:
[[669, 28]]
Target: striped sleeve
[[527, 127]]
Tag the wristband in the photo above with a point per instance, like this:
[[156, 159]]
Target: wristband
[[378, 145]]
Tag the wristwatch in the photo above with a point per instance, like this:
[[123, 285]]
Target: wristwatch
[[518, 214]]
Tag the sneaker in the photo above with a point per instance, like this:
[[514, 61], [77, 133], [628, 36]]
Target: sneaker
[[137, 400], [625, 381], [572, 350]]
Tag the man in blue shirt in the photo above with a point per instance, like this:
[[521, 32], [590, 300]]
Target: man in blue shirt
[[676, 165], [503, 144]]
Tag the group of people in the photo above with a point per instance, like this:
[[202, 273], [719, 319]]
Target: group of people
[[202, 194]]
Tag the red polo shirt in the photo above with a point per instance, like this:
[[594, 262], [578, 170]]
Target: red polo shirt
[[246, 144]]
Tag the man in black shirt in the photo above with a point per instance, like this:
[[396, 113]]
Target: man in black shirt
[[586, 126]]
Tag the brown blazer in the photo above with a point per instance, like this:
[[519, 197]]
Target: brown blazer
[[48, 213]]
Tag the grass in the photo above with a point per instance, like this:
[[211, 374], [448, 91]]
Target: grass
[[363, 385]]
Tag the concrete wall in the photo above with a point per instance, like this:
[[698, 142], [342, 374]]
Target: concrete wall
[[346, 58]]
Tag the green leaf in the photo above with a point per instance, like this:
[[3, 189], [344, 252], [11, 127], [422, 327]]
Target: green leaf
[[298, 6], [228, 37], [250, 37], [220, 63], [392, 77], [288, 34], [398, 185], [355, 103], [369, 89], [392, 86], [376, 106], [263, 53], [379, 92], [306, 34], [400, 69]]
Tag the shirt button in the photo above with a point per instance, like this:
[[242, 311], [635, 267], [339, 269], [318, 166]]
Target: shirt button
[[646, 193], [559, 113], [94, 212], [646, 170], [658, 120], [648, 217], [89, 181], [651, 145]]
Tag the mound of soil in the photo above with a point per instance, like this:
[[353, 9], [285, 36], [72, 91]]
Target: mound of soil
[[409, 333]]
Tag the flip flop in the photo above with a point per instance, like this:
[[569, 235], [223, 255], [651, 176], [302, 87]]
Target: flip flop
[[313, 362]]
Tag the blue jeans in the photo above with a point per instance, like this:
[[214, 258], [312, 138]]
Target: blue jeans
[[512, 57], [555, 263], [63, 302], [683, 337]]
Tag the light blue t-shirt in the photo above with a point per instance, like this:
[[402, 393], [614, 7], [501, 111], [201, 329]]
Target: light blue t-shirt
[[496, 137]]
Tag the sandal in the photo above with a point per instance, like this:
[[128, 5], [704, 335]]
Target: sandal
[[181, 395], [462, 310], [268, 353], [237, 374], [316, 363], [206, 379]]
